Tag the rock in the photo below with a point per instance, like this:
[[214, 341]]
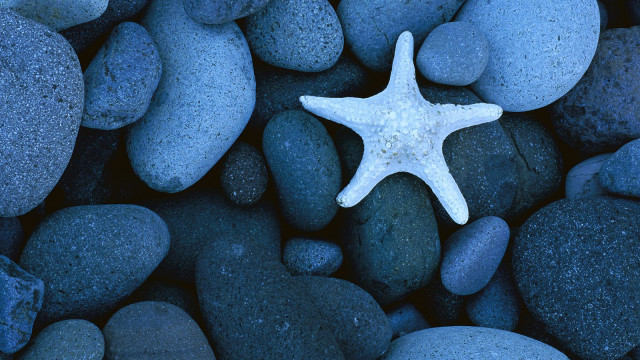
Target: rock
[[634, 11], [582, 180], [619, 173], [405, 318], [601, 113], [467, 342], [440, 306], [604, 16], [204, 100], [221, 11], [11, 237], [305, 168], [59, 14], [539, 50], [472, 255], [244, 174], [371, 28], [196, 218], [121, 78], [174, 294], [391, 237], [83, 35], [496, 306], [41, 97], [67, 339], [575, 265], [356, 320], [304, 256], [302, 35], [152, 330], [253, 308], [454, 53], [21, 296], [91, 257]]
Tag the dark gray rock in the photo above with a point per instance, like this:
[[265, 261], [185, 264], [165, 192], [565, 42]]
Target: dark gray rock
[[305, 168], [601, 112], [91, 257], [575, 263], [304, 256], [634, 11], [175, 294], [254, 309], [11, 237], [221, 11], [21, 297], [244, 174], [582, 180], [66, 339], [405, 318], [496, 306], [604, 15], [440, 306], [151, 330], [356, 320], [41, 97], [302, 35], [619, 173], [121, 78]]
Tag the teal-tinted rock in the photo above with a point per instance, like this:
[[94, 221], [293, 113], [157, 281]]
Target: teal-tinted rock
[[619, 173], [496, 305], [66, 339], [405, 318]]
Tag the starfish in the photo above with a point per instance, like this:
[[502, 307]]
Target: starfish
[[403, 132]]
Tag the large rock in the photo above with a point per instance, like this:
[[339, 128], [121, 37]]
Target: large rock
[[58, 14], [66, 339]]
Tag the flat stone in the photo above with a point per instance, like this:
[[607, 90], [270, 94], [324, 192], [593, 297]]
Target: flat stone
[[66, 339]]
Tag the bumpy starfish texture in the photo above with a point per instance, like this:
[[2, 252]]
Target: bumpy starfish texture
[[403, 132]]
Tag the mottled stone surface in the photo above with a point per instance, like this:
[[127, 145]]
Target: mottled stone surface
[[66, 339]]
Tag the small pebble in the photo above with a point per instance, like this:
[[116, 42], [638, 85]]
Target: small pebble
[[620, 173], [66, 339], [221, 11], [405, 318], [583, 181], [496, 305], [59, 14], [304, 256], [244, 174]]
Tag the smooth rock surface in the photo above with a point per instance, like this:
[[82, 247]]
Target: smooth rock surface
[[221, 11], [66, 339], [582, 180], [496, 305], [11, 237], [244, 174], [620, 172], [58, 14], [405, 318], [303, 256]]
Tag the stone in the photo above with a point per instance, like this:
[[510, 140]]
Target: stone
[[575, 263], [221, 11], [204, 100], [440, 306], [176, 294], [496, 305], [121, 78], [92, 257], [619, 173], [244, 174], [152, 330], [583, 181], [11, 237], [539, 50], [604, 16], [404, 318], [305, 168], [21, 295], [41, 97], [301, 35], [601, 113], [303, 256], [454, 53], [58, 14], [66, 339]]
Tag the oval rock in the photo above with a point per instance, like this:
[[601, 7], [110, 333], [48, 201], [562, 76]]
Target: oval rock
[[66, 339]]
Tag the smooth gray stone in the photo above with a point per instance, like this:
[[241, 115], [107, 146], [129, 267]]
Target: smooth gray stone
[[496, 305], [303, 256], [58, 14], [582, 180], [620, 173], [66, 339], [221, 11], [405, 318]]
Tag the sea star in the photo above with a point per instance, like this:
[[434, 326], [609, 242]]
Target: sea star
[[403, 132]]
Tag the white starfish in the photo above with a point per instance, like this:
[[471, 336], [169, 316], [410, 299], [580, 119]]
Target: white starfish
[[403, 132]]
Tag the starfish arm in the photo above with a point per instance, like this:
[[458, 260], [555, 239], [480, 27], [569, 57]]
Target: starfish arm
[[458, 117], [350, 112], [370, 172], [403, 71]]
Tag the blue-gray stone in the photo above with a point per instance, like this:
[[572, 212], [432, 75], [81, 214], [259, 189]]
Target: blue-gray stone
[[454, 53], [302, 35], [204, 100], [497, 305], [604, 15], [305, 168], [21, 297], [177, 294], [440, 306], [244, 174], [469, 342], [405, 318], [356, 320], [620, 172], [11, 237], [121, 78], [41, 99], [372, 27], [304, 256], [583, 181], [472, 255], [539, 49], [92, 257], [221, 11], [575, 263], [58, 14], [66, 339]]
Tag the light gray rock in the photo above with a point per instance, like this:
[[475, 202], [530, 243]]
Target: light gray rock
[[582, 180], [66, 339], [58, 14]]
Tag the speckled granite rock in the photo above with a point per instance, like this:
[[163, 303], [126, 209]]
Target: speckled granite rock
[[244, 174]]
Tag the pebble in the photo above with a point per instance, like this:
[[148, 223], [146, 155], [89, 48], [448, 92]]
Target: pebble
[[304, 256], [619, 173], [66, 339], [405, 318], [440, 306], [301, 35], [11, 237], [204, 100], [600, 113], [41, 97], [497, 305], [371, 28], [254, 309], [305, 168], [539, 50], [59, 14], [121, 78], [472, 255], [244, 174], [151, 330], [92, 257], [356, 320], [454, 53], [221, 11], [21, 295], [469, 342], [583, 181], [176, 294], [575, 265]]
